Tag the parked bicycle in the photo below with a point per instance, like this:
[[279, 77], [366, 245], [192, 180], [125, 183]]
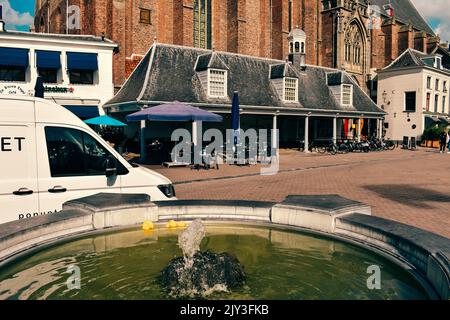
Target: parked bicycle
[[312, 147], [389, 145], [330, 148]]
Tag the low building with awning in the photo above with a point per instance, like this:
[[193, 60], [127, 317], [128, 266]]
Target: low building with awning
[[76, 70], [302, 101]]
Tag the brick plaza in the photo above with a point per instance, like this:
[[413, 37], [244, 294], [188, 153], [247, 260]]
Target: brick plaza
[[411, 187]]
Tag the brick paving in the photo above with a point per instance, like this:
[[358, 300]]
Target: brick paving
[[411, 187]]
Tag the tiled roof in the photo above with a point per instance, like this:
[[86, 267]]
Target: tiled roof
[[171, 77], [406, 12]]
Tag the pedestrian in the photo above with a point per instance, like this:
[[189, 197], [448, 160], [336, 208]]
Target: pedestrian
[[442, 141], [448, 140]]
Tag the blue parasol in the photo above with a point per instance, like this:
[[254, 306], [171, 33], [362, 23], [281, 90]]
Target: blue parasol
[[106, 121]]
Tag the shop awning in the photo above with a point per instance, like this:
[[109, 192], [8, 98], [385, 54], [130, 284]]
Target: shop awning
[[82, 61], [444, 120], [84, 112], [14, 57], [48, 59]]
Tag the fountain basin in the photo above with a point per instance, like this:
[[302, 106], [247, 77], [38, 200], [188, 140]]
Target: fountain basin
[[419, 253], [279, 264]]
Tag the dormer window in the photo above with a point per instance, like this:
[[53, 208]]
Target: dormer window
[[347, 94], [217, 83], [213, 75], [434, 61], [438, 62], [290, 89]]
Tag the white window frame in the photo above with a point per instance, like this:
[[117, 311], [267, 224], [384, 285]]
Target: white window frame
[[225, 84], [438, 62], [351, 94], [404, 102], [284, 90]]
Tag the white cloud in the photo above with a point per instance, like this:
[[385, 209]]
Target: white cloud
[[13, 18], [436, 9]]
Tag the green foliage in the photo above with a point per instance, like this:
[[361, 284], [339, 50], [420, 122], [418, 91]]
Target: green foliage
[[432, 132]]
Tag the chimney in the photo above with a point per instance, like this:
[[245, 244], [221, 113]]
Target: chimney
[[2, 23]]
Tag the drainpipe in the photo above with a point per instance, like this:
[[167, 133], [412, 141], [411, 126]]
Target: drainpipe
[[67, 16], [270, 28]]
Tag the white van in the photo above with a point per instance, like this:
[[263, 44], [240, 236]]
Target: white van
[[49, 156]]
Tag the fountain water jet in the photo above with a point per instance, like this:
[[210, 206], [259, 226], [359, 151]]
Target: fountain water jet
[[198, 274]]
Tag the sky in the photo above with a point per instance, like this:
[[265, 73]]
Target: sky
[[18, 14]]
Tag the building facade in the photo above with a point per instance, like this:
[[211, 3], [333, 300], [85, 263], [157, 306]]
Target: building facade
[[76, 70], [304, 102], [414, 91], [342, 33]]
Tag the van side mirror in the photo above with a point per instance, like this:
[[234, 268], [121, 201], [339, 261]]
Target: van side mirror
[[111, 166]]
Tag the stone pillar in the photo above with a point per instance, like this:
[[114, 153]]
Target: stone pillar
[[274, 132], [194, 132], [197, 135], [358, 129], [143, 148], [334, 129], [380, 129], [306, 134]]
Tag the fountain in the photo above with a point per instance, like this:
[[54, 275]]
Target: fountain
[[197, 273], [306, 247]]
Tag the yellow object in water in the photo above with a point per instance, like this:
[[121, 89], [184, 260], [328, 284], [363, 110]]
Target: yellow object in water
[[181, 224], [171, 224], [148, 225], [174, 224]]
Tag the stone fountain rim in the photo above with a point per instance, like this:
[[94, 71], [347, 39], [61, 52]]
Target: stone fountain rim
[[391, 257], [351, 223]]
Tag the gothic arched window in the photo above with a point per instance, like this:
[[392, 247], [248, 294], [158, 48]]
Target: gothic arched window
[[202, 24], [353, 47]]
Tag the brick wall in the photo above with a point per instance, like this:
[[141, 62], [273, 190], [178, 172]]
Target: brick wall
[[378, 48], [254, 27], [405, 38], [420, 41], [232, 26], [391, 47], [327, 49]]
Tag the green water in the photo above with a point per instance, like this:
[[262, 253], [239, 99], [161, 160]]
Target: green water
[[279, 265]]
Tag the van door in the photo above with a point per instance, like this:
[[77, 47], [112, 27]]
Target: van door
[[72, 165], [18, 172]]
